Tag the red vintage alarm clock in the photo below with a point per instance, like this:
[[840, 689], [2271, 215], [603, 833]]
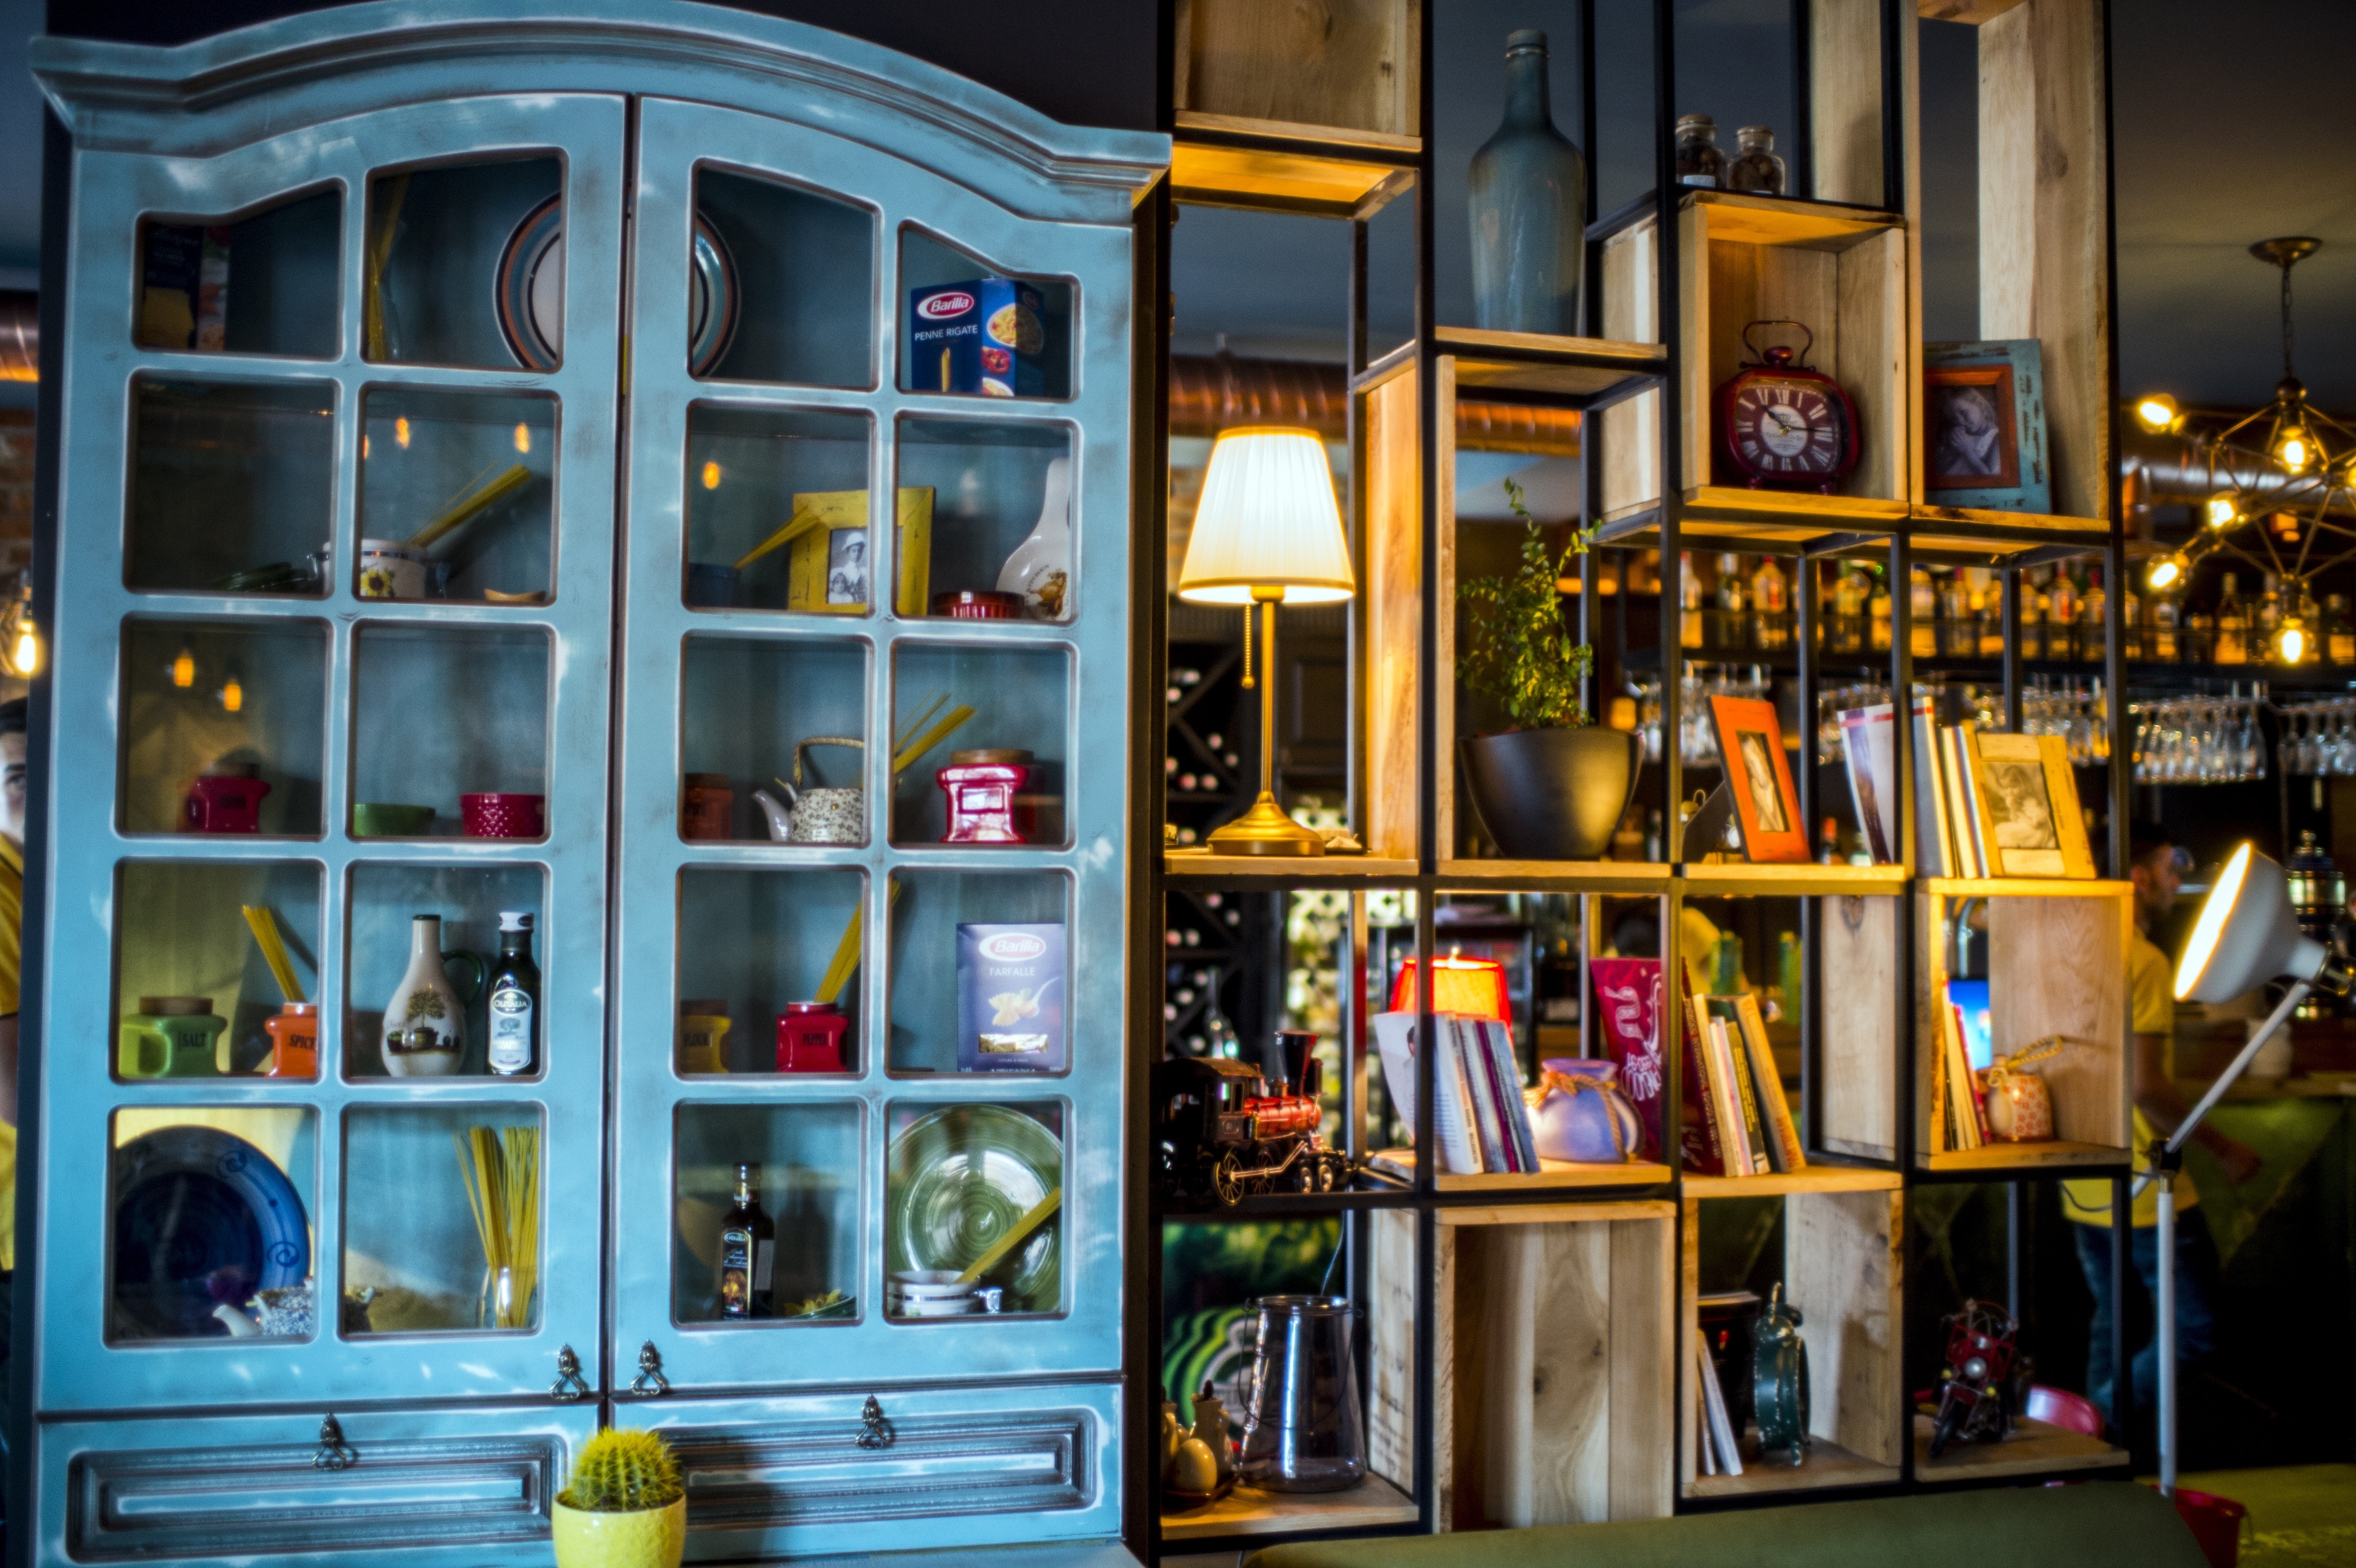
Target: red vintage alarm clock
[[1783, 425]]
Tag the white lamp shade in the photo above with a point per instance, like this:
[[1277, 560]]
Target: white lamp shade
[[2248, 934], [1268, 520]]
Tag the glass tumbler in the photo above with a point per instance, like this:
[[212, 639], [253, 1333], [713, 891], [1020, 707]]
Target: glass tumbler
[[1304, 1431]]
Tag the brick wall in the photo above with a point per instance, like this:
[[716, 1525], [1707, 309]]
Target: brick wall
[[16, 489]]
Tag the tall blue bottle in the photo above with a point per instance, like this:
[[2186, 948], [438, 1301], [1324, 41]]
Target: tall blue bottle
[[1529, 199]]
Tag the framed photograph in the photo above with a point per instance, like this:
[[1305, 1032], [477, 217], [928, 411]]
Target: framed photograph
[[1983, 426], [831, 569], [2028, 805], [1759, 777]]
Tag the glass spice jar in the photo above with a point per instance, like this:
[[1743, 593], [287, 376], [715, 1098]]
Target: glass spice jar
[[1756, 168], [1700, 161]]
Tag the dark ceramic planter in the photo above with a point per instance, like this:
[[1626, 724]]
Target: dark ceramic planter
[[1552, 794]]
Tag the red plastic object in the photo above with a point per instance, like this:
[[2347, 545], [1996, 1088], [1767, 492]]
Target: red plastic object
[[1471, 987], [984, 807], [2215, 1522], [810, 1038], [970, 604], [2060, 1407], [504, 815], [224, 804]]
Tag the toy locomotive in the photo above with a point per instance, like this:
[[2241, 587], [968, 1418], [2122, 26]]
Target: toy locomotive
[[1228, 1129]]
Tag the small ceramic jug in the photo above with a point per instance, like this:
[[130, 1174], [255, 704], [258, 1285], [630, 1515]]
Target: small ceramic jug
[[1211, 1430], [1580, 1113], [426, 1018], [703, 1026]]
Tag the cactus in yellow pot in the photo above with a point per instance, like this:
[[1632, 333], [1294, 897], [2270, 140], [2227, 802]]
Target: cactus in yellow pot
[[625, 1508]]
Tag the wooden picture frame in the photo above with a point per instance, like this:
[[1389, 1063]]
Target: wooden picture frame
[[1983, 426], [1759, 777], [2028, 803], [830, 570]]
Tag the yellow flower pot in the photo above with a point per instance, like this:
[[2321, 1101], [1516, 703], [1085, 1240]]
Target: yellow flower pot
[[644, 1538]]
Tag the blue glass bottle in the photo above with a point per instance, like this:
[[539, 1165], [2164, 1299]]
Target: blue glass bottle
[[1528, 201]]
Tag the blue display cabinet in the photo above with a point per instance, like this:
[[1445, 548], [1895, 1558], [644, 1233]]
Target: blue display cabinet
[[498, 447]]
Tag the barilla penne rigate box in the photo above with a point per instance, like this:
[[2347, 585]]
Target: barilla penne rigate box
[[1009, 999], [983, 336]]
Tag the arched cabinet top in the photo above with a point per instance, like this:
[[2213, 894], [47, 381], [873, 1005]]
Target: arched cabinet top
[[200, 98]]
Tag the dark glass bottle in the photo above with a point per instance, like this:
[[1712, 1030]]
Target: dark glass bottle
[[748, 1244], [1527, 197], [515, 1000]]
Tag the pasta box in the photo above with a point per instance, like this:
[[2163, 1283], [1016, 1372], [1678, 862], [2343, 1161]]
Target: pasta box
[[985, 336], [1009, 999]]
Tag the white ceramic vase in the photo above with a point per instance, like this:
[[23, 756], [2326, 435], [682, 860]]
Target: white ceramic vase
[[425, 1018], [1041, 567]]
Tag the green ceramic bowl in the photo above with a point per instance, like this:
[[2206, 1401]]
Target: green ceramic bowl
[[375, 819], [959, 1178]]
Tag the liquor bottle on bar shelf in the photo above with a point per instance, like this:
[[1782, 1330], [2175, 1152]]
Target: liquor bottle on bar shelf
[[748, 1244], [1771, 605], [1733, 628], [2336, 636], [1850, 591], [2233, 645], [1878, 613], [1689, 621], [515, 1000], [2160, 637], [2062, 618], [1959, 633], [1923, 603]]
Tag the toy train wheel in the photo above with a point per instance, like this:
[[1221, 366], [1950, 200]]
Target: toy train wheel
[[1335, 1170], [1226, 1180]]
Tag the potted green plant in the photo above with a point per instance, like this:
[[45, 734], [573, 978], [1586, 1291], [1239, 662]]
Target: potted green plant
[[1552, 787], [625, 1507]]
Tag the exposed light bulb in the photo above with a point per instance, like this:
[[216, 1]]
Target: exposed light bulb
[[2294, 452], [523, 438], [2157, 411], [2290, 642], [26, 655], [184, 669], [232, 696], [401, 432], [2221, 511], [2166, 573], [712, 476]]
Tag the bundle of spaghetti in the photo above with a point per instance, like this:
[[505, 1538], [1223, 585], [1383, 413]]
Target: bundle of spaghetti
[[501, 1170], [265, 925], [472, 501]]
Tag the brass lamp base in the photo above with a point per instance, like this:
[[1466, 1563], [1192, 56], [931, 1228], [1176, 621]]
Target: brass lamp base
[[1265, 829]]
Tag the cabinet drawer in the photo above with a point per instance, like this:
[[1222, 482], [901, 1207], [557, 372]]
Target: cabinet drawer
[[261, 1486], [942, 1467]]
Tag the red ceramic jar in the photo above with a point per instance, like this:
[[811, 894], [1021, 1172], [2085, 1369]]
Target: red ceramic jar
[[499, 815], [224, 803], [810, 1038]]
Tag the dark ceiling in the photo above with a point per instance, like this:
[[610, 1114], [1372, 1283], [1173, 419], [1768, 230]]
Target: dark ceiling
[[2227, 134]]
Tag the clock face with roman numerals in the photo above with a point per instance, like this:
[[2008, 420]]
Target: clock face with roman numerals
[[1787, 429]]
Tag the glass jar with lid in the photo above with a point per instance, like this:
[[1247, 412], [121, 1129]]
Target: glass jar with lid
[[1700, 161], [1756, 168]]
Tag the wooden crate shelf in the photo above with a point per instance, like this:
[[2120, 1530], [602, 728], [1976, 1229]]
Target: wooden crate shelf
[[1319, 183], [1553, 1343], [1740, 879], [1345, 72], [2051, 1153], [1247, 1511], [1757, 517], [1843, 1268], [1201, 868], [2033, 1448], [1637, 877], [1554, 1174], [1842, 270]]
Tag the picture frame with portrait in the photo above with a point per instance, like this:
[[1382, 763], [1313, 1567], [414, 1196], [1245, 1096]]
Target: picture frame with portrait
[[2027, 800], [1759, 777], [1984, 442]]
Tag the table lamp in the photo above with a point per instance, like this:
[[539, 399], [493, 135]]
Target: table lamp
[[1470, 988], [2248, 934], [1268, 532]]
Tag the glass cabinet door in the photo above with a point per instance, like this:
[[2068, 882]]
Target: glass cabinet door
[[873, 799], [340, 626]]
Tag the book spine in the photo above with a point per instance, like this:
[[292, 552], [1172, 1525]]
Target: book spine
[[1746, 1098], [1500, 1036], [1857, 756], [1504, 1088], [1985, 855], [1783, 1132], [1480, 1097], [1721, 1429], [1971, 1113], [1734, 1149], [1932, 844], [1706, 1149], [1942, 1136]]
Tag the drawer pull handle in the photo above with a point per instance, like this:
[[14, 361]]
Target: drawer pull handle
[[334, 1452], [651, 1379], [569, 1384], [875, 1430]]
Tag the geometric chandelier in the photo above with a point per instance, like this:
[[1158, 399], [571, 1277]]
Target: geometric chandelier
[[2281, 481]]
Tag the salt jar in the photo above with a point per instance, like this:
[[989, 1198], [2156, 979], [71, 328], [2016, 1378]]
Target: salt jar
[[1582, 1115]]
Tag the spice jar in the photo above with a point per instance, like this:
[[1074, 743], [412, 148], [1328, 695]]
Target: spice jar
[[293, 1040], [985, 790], [707, 806], [1756, 168], [703, 1026], [1700, 161], [810, 1038]]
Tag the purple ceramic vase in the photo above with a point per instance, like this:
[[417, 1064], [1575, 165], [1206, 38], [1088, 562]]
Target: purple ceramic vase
[[1582, 1115]]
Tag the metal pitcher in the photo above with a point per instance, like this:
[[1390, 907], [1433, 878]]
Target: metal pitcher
[[1304, 1431]]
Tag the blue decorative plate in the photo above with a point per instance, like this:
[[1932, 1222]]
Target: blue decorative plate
[[531, 291], [201, 1218]]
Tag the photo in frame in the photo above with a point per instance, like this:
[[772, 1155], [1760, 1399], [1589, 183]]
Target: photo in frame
[[1983, 426], [832, 569], [2028, 803], [1759, 777]]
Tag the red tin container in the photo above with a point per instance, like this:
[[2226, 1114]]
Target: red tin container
[[224, 803], [707, 806], [969, 604], [989, 799], [810, 1038], [499, 815]]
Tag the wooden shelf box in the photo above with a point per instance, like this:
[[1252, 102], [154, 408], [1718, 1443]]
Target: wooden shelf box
[[1342, 71], [1858, 1021], [1843, 1268], [1552, 1345], [1841, 270], [2057, 966]]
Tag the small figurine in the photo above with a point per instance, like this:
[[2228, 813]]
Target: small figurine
[[1210, 1431], [1224, 1130]]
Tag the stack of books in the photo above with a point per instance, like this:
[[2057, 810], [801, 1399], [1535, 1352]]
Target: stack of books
[[1986, 804], [1478, 1111], [1958, 1098], [1745, 1127]]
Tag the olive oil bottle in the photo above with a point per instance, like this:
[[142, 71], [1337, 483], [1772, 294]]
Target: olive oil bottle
[[748, 1244], [515, 1000]]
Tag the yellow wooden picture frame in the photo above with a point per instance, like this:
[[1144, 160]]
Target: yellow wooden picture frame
[[828, 573]]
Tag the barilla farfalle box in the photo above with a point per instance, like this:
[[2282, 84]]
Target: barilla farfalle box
[[984, 337], [1009, 999]]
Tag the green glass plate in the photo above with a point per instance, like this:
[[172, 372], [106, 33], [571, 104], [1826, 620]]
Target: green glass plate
[[960, 1177]]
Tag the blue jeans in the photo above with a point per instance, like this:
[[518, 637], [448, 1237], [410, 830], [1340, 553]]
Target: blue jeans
[[2196, 1320]]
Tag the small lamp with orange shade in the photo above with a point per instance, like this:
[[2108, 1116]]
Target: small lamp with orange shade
[[1469, 987]]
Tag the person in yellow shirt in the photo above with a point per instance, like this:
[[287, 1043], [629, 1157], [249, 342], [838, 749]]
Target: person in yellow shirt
[[2159, 1110]]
